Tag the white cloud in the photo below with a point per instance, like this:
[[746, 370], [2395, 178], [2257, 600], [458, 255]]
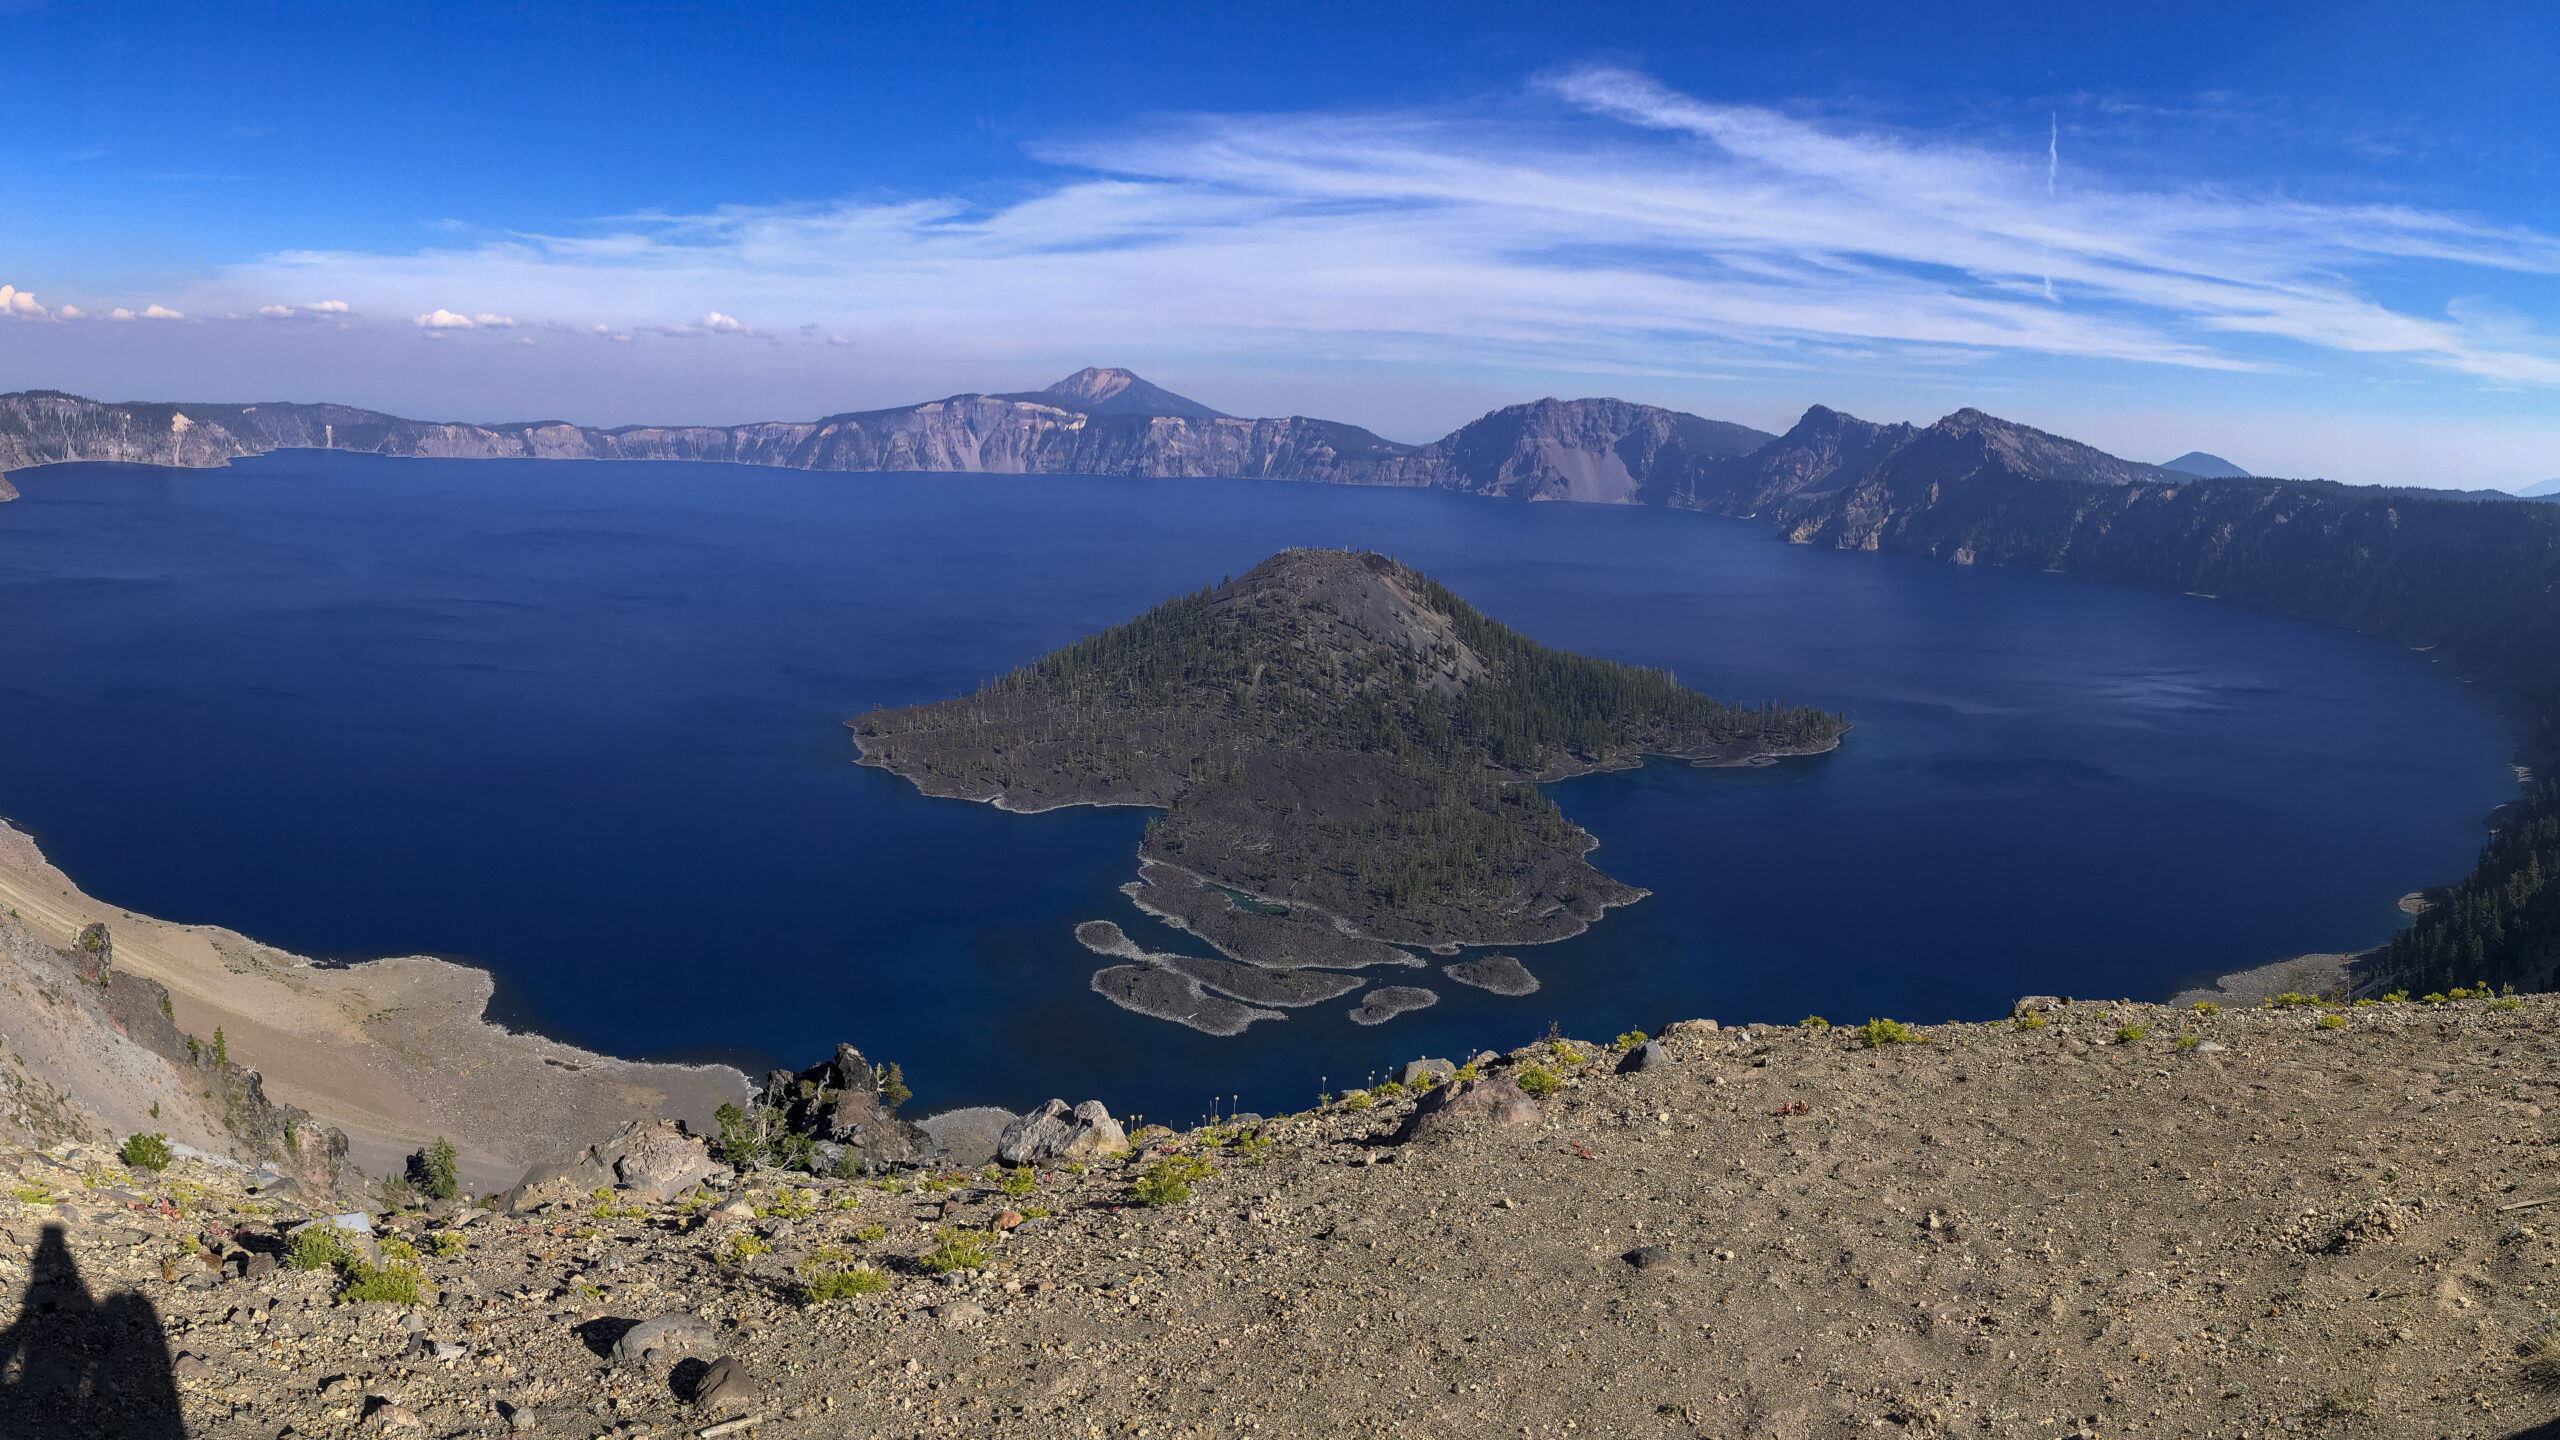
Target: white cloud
[[17, 304], [1651, 231], [276, 312], [720, 324], [71, 312], [327, 307], [494, 322], [442, 319], [120, 313], [161, 312]]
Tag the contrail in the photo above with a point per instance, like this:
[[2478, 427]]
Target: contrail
[[2053, 153]]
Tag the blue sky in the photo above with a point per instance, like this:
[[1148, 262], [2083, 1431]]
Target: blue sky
[[2317, 239]]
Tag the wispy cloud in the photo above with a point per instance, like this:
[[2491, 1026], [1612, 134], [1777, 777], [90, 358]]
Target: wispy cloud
[[1602, 220]]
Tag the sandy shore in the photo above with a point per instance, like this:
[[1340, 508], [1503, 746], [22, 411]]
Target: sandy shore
[[393, 1052]]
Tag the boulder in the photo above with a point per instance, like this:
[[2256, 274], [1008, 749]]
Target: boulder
[[575, 1178], [664, 1162], [1468, 1107], [1418, 1073], [1679, 1028], [1053, 1134], [2034, 1005], [726, 1385], [1644, 1057], [671, 1334]]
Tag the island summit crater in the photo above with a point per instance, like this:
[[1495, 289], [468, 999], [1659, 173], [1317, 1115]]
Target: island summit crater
[[1347, 757]]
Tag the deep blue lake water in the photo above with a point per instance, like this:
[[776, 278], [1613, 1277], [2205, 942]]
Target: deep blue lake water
[[581, 724]]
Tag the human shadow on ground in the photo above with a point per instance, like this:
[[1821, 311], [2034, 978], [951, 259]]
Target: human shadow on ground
[[74, 1365]]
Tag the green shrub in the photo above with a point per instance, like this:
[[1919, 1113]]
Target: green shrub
[[610, 1211], [321, 1248], [1537, 1081], [439, 1170], [146, 1152], [2332, 1021], [396, 1249], [2396, 997], [2290, 1000], [1629, 1041], [1168, 1181], [448, 1243], [1357, 1100], [1035, 1212], [1020, 1182], [1565, 1054], [2506, 1002], [743, 1246], [31, 1192], [2027, 1022], [1815, 1022], [2189, 1042], [2128, 1034], [790, 1204], [2207, 1007], [842, 1284], [955, 1249], [390, 1285], [2431, 998], [1468, 1071], [1387, 1088], [1876, 1034], [872, 1234]]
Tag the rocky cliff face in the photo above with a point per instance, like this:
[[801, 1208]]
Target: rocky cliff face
[[1095, 422]]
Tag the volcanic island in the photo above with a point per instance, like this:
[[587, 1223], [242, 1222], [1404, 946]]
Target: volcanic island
[[1347, 757]]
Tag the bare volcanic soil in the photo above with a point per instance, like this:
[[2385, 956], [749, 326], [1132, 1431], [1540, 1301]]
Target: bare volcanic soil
[[1769, 1231], [1332, 738]]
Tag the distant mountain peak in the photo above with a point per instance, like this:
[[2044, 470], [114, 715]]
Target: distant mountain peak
[[2547, 490], [1110, 390], [2210, 467], [1097, 382]]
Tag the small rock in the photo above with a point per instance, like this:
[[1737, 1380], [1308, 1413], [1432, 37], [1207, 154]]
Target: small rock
[[2209, 1047], [1650, 1257], [672, 1333], [1008, 1219], [1417, 1073], [725, 1385], [959, 1314], [2034, 1005], [735, 1210], [413, 1322], [1688, 1027], [190, 1369], [1644, 1057], [521, 1419], [393, 1416]]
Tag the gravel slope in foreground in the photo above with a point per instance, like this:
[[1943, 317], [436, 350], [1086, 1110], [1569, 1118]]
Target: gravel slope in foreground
[[2038, 1232]]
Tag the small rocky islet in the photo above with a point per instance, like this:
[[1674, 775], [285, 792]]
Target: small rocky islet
[[2086, 1219], [1347, 757]]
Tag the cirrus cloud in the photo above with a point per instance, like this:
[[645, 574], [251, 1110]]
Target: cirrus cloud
[[1601, 219]]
